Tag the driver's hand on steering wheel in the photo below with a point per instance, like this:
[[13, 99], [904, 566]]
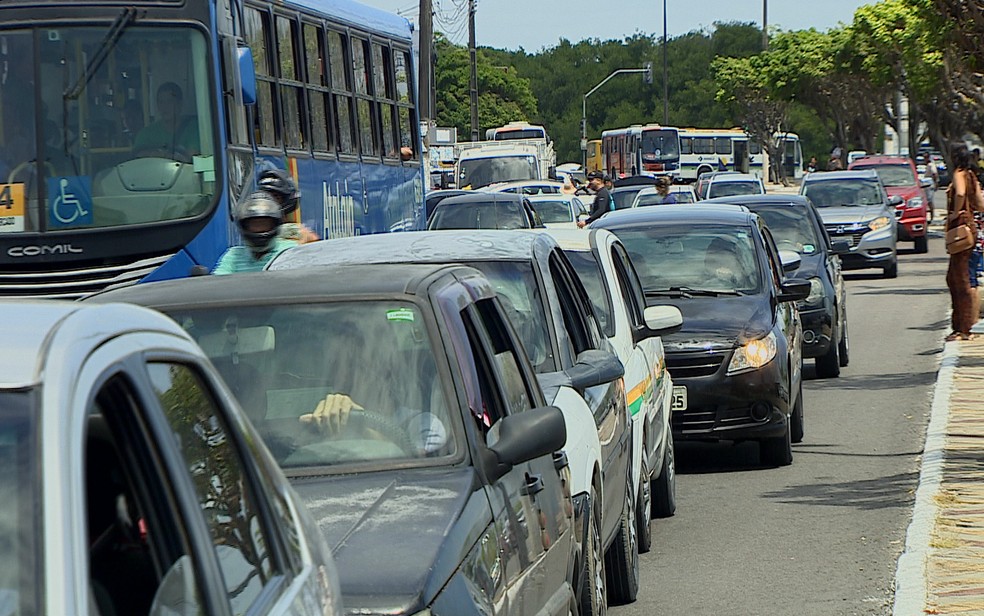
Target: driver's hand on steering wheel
[[331, 414]]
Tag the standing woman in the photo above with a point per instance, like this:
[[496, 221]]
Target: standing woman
[[963, 198]]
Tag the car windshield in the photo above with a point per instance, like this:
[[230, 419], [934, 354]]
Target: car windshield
[[791, 227], [624, 197], [125, 141], [296, 367], [520, 295], [479, 172], [654, 198], [555, 210], [894, 175], [834, 193], [19, 531], [479, 215], [731, 189], [693, 258], [589, 272]]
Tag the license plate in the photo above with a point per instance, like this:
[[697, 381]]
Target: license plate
[[679, 398]]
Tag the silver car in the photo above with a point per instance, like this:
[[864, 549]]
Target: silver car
[[855, 208], [131, 482]]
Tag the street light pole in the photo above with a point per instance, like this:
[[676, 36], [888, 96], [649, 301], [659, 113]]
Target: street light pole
[[584, 109], [666, 82]]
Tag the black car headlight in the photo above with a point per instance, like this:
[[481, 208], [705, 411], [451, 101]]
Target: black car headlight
[[816, 293], [753, 354]]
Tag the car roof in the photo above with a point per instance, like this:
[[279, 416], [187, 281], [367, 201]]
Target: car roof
[[581, 240], [753, 200], [482, 198], [551, 197], [418, 247], [735, 177], [501, 186], [673, 213], [881, 159], [633, 187], [34, 330], [297, 285], [853, 174], [714, 174]]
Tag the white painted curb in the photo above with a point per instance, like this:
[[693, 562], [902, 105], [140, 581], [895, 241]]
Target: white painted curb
[[910, 574]]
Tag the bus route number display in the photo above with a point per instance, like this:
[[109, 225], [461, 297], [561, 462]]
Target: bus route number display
[[11, 208]]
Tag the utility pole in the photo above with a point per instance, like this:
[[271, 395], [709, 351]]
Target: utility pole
[[765, 25], [473, 55], [424, 81], [666, 82], [584, 106]]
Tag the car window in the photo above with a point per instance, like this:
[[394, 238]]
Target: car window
[[494, 405], [893, 175], [517, 392], [589, 271], [624, 197], [573, 310], [221, 482], [629, 285], [19, 482], [731, 189], [481, 215], [791, 227], [700, 257], [834, 193], [309, 376], [554, 210], [775, 263]]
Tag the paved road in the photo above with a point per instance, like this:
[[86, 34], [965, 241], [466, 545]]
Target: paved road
[[823, 535]]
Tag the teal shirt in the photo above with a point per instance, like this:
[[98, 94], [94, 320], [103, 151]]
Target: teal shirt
[[157, 136], [239, 259]]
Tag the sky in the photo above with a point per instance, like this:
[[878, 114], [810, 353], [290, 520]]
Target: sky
[[535, 24]]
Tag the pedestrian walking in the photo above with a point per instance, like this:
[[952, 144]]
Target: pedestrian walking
[[602, 200], [963, 198], [835, 164]]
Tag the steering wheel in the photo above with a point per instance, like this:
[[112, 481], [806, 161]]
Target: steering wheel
[[381, 424], [178, 153], [24, 165]]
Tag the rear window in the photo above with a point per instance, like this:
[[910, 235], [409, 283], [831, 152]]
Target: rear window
[[479, 215], [835, 193], [893, 175], [555, 211], [19, 504], [791, 227], [732, 189]]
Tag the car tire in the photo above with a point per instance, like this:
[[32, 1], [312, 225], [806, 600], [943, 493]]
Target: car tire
[[593, 600], [828, 364], [622, 559], [921, 245], [777, 451], [644, 504], [664, 486], [796, 419], [892, 271], [844, 346]]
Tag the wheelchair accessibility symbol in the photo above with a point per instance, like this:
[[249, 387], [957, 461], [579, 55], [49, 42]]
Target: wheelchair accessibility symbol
[[70, 201]]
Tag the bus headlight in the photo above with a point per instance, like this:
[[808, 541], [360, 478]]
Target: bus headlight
[[879, 223], [914, 202], [753, 355]]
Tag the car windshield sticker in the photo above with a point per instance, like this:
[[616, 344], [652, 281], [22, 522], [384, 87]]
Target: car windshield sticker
[[809, 249], [69, 201], [400, 314]]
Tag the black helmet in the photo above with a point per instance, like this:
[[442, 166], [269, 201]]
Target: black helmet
[[278, 183], [258, 217]]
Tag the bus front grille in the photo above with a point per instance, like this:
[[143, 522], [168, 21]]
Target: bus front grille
[[77, 281]]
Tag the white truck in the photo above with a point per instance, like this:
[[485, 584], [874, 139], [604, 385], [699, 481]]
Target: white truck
[[483, 163]]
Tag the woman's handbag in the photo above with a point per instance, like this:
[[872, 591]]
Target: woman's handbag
[[959, 239]]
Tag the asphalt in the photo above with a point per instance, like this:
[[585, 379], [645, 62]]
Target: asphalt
[[941, 570]]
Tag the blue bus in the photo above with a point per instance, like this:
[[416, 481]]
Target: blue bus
[[128, 130]]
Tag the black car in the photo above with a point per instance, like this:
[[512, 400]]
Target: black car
[[796, 225], [485, 210], [737, 362], [401, 404], [436, 196]]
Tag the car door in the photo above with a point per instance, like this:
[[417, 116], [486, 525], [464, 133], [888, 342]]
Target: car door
[[787, 315], [607, 402], [527, 502]]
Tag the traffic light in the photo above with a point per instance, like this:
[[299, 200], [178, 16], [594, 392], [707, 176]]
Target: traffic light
[[647, 75]]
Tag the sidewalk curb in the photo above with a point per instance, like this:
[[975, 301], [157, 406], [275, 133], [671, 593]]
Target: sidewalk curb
[[910, 573]]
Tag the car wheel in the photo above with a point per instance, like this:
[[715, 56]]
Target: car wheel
[[622, 559], [777, 451], [828, 364], [921, 244], [892, 271], [593, 590], [844, 347], [796, 427], [664, 486], [644, 503]]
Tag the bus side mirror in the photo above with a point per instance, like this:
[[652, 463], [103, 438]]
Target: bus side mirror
[[247, 75]]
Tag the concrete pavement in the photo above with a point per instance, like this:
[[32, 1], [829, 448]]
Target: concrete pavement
[[942, 568]]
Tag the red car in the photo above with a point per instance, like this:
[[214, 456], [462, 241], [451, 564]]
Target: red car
[[898, 174]]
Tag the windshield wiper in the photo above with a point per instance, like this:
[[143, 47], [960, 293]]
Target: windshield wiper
[[689, 292], [124, 19]]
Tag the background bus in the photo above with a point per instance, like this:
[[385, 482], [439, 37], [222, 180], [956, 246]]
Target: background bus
[[595, 159], [140, 123], [712, 149], [792, 156], [641, 149], [517, 130]]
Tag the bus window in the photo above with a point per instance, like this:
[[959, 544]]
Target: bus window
[[360, 65], [340, 83], [383, 81], [686, 145], [365, 112], [703, 145], [722, 145], [404, 100], [291, 91], [257, 34], [318, 97], [754, 148]]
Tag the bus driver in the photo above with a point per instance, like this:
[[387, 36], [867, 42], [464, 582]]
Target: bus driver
[[172, 135]]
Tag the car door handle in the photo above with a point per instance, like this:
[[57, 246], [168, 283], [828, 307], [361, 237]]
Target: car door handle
[[534, 484], [560, 460]]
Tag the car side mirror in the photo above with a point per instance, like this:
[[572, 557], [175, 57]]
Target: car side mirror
[[525, 436], [794, 290], [660, 321], [594, 367], [790, 259], [895, 201], [198, 270], [840, 247]]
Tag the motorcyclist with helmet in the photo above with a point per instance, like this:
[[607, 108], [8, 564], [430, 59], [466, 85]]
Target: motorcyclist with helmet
[[281, 186], [259, 218]]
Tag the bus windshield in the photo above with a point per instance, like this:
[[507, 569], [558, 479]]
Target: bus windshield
[[526, 133], [660, 146], [126, 140]]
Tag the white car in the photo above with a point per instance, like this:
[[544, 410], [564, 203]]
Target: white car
[[604, 267], [132, 481], [732, 184], [682, 193], [559, 211]]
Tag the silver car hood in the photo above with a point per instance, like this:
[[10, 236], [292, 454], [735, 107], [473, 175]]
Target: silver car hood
[[850, 214]]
